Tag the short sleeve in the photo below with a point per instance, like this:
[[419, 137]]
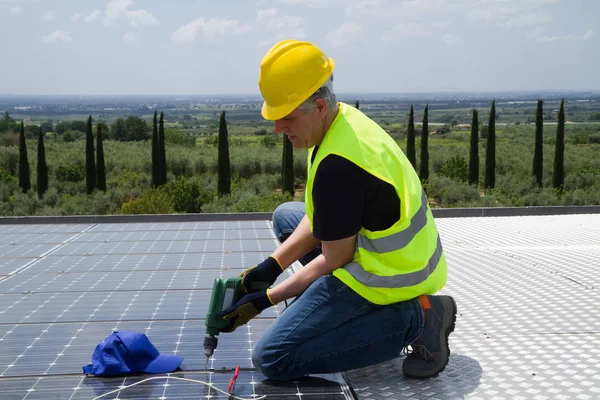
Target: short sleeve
[[338, 199]]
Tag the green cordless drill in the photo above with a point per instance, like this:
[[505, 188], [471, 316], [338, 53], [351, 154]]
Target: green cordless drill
[[225, 293]]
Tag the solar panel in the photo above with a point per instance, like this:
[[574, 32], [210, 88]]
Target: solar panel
[[66, 287]]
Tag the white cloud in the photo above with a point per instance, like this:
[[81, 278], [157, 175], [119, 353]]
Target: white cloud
[[130, 37], [308, 3], [451, 39], [15, 10], [76, 17], [345, 33], [208, 28], [57, 36], [118, 10], [92, 16], [49, 16], [412, 29], [279, 27], [537, 34]]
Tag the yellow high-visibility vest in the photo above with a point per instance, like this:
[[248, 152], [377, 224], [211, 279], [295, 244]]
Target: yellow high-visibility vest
[[405, 260]]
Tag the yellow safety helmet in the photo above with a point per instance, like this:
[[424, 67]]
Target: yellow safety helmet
[[290, 73]]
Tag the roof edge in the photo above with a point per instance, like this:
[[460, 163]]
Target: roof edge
[[262, 216]]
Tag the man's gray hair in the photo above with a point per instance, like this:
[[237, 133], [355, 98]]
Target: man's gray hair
[[325, 92]]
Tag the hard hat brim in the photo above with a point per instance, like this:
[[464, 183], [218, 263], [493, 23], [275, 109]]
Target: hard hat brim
[[272, 113]]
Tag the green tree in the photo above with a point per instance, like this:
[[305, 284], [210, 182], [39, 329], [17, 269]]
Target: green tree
[[424, 167], [490, 155], [42, 167], [224, 183], [474, 150], [558, 175], [538, 155], [155, 157], [162, 155], [90, 165], [100, 167], [287, 167], [24, 180], [410, 139]]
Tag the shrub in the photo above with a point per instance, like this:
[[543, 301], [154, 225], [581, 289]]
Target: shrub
[[9, 159], [151, 201], [269, 141], [456, 168], [185, 195], [255, 203], [70, 173]]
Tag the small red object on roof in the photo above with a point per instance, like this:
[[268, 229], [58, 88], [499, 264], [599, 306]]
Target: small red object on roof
[[232, 380]]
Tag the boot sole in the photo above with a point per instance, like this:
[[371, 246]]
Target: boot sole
[[449, 322]]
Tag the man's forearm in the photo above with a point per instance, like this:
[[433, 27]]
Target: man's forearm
[[300, 242], [300, 280]]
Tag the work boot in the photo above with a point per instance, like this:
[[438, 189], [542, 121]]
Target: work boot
[[431, 351]]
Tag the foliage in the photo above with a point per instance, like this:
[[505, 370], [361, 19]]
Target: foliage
[[223, 162], [410, 139], [456, 168], [187, 196], [155, 160], [559, 152], [287, 167], [162, 157], [538, 154], [424, 167], [269, 141], [70, 173], [151, 201], [90, 163], [100, 165], [474, 150], [42, 167], [490, 150], [24, 179]]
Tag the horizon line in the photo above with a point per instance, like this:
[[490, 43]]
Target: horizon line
[[340, 93]]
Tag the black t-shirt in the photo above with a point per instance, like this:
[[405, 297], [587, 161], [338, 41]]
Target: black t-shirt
[[346, 197]]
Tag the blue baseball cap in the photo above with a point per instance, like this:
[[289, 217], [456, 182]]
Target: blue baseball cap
[[129, 352]]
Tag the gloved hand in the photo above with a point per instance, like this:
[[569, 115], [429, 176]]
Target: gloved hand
[[246, 308], [267, 271]]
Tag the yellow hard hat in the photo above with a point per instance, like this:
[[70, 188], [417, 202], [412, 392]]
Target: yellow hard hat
[[290, 73]]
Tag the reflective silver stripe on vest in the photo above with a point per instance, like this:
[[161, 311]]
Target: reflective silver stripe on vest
[[396, 281], [398, 240]]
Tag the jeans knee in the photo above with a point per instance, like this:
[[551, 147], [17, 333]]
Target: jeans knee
[[272, 364], [285, 219]]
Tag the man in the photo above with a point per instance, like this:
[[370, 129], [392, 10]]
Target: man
[[367, 239]]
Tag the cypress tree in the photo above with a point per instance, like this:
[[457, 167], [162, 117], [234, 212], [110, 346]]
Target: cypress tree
[[474, 150], [287, 169], [538, 155], [424, 170], [100, 167], [155, 157], [490, 155], [558, 175], [42, 167], [24, 181], [410, 139], [90, 170], [224, 178], [357, 104], [162, 156]]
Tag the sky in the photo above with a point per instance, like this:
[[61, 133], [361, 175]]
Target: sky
[[120, 47]]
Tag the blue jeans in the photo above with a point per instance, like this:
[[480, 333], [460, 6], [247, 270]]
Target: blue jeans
[[330, 328]]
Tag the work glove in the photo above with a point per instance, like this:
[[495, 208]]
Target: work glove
[[245, 309], [266, 273]]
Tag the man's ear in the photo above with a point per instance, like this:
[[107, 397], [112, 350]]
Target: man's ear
[[321, 106]]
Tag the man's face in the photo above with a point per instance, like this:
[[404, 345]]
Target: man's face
[[302, 128]]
